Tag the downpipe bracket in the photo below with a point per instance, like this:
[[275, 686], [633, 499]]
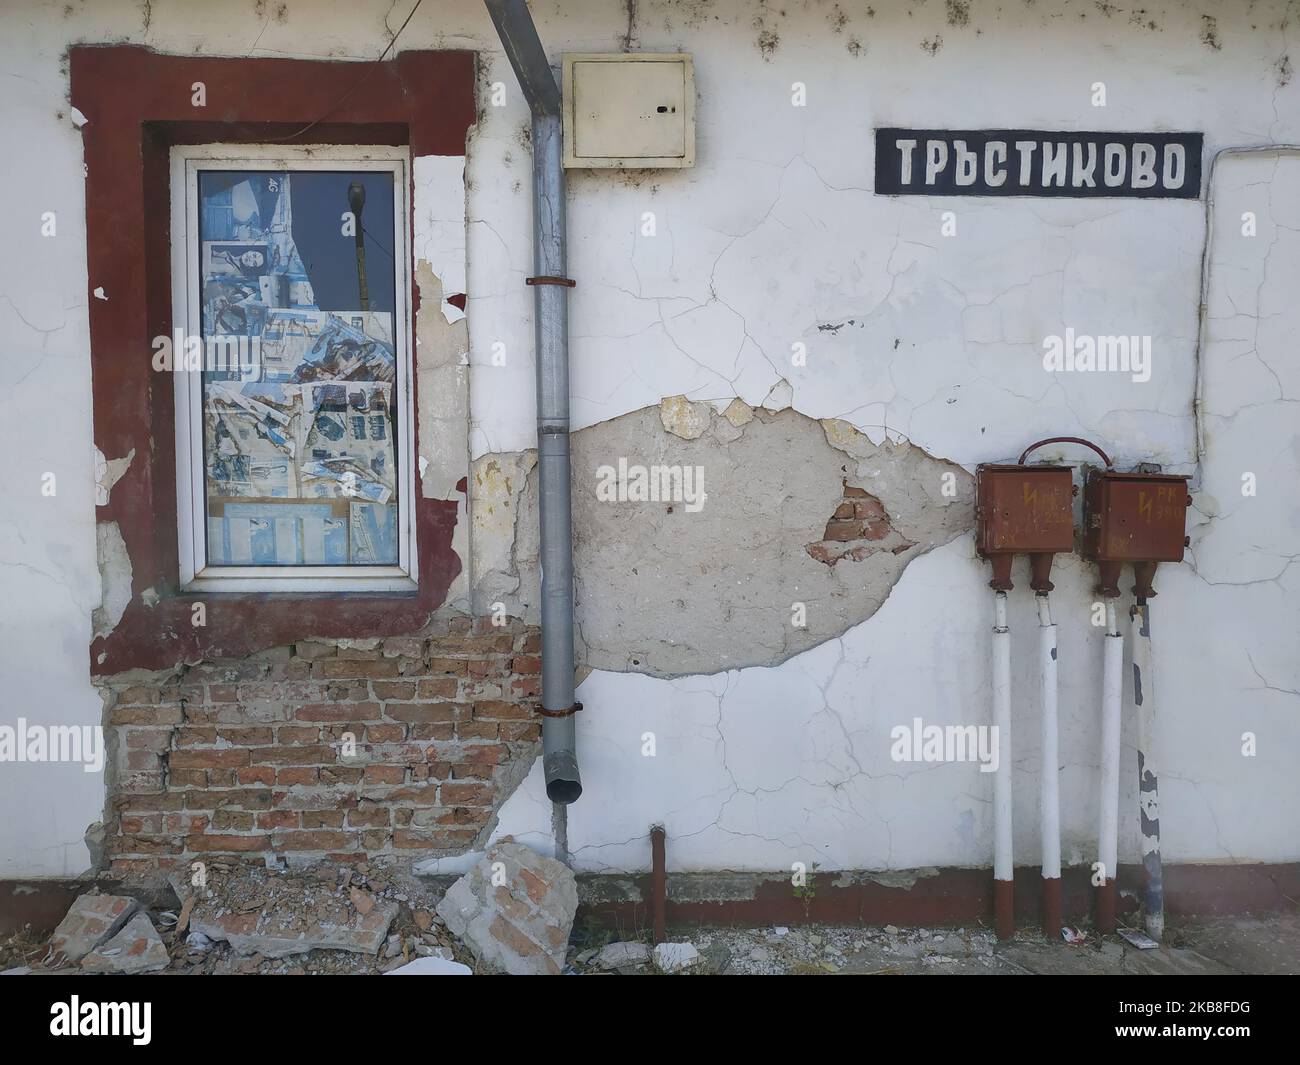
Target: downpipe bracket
[[569, 712]]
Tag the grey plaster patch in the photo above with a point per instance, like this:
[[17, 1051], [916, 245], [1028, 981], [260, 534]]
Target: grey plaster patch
[[115, 578], [667, 592]]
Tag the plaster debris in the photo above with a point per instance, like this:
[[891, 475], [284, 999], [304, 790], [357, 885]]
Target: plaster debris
[[90, 921], [137, 948], [675, 957], [431, 967], [259, 911], [514, 910]]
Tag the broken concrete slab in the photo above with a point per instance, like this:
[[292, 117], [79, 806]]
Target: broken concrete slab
[[621, 956], [514, 910], [431, 967], [676, 957], [137, 948], [90, 921]]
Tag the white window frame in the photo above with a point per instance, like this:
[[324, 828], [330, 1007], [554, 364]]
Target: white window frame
[[191, 503]]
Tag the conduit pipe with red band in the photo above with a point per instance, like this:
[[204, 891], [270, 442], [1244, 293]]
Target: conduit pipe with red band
[[1003, 868], [1112, 691], [1049, 796]]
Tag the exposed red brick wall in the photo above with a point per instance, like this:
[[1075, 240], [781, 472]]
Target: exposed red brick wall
[[247, 757], [858, 528]]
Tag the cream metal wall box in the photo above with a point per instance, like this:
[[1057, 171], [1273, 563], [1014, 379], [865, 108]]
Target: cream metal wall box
[[629, 110]]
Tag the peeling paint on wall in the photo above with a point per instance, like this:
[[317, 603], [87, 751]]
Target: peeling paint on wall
[[108, 473], [115, 577]]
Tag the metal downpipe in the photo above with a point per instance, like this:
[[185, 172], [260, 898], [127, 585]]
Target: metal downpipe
[[524, 49]]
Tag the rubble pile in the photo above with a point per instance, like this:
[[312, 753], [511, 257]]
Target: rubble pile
[[330, 918]]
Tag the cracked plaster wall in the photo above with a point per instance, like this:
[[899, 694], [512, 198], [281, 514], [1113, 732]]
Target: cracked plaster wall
[[775, 239]]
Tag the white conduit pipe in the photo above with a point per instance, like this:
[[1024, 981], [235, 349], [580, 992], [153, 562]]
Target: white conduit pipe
[[1049, 797], [1003, 869], [1112, 682], [1144, 703]]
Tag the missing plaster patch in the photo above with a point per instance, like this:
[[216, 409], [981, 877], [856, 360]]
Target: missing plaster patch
[[859, 527], [667, 590], [108, 473], [442, 374]]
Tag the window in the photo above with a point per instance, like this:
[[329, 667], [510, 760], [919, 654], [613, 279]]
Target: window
[[294, 411]]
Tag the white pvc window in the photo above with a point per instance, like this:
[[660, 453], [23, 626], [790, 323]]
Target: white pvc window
[[291, 360]]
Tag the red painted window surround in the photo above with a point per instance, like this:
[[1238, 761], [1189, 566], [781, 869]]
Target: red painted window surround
[[138, 104]]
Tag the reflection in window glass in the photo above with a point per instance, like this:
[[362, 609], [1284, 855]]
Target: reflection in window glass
[[300, 382]]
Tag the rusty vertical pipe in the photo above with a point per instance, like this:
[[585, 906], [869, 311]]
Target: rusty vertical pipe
[[658, 882]]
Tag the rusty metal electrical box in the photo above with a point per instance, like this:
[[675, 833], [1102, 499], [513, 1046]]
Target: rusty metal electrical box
[[1023, 510], [1137, 518]]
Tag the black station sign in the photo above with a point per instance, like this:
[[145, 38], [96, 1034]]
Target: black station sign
[[1025, 162]]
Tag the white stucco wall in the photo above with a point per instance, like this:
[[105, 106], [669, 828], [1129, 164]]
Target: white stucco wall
[[774, 233]]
